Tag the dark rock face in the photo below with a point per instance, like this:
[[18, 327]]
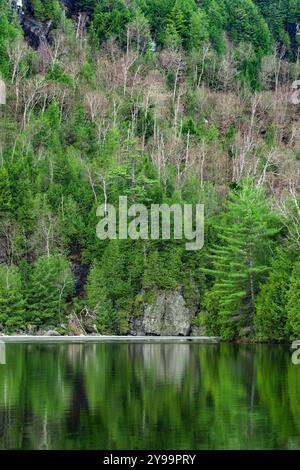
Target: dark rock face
[[294, 31], [36, 32], [27, 7], [81, 273]]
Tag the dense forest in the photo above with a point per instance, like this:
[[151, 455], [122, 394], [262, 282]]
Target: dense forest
[[164, 101]]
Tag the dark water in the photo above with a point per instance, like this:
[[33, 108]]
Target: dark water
[[149, 396]]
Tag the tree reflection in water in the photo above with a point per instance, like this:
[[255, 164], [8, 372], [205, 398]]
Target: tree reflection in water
[[155, 396]]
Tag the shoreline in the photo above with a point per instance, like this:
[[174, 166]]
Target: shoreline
[[129, 339], [99, 338]]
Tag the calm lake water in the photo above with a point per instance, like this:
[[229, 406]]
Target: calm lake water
[[149, 396]]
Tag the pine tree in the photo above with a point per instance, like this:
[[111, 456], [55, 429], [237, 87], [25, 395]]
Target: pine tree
[[241, 259]]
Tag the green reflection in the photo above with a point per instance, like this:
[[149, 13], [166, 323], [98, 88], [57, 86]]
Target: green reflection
[[149, 396]]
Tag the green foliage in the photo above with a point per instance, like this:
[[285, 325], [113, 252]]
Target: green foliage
[[12, 301], [198, 29], [109, 291], [242, 257], [8, 34], [271, 304], [51, 282], [175, 25], [110, 18], [209, 317], [155, 104], [162, 269], [217, 14], [246, 24], [280, 16], [57, 74], [47, 10], [5, 191], [293, 302]]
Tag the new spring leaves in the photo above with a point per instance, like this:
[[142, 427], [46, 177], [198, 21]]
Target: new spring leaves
[[160, 221]]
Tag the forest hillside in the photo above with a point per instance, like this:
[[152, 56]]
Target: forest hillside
[[163, 101]]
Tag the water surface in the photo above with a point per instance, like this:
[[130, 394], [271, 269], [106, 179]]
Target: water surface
[[149, 396]]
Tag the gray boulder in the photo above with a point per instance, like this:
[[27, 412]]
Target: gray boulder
[[51, 333], [197, 331], [167, 315]]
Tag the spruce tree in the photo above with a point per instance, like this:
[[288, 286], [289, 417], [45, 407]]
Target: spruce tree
[[175, 25], [271, 304]]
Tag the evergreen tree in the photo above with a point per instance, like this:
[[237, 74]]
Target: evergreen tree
[[8, 34], [51, 282], [247, 25], [99, 302], [242, 257], [271, 304], [71, 228], [12, 302], [156, 12], [5, 192], [109, 291], [175, 25], [280, 16], [218, 17], [162, 268], [293, 302], [198, 29], [110, 18], [47, 10]]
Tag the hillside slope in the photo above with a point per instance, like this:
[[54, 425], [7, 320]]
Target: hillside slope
[[161, 101]]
